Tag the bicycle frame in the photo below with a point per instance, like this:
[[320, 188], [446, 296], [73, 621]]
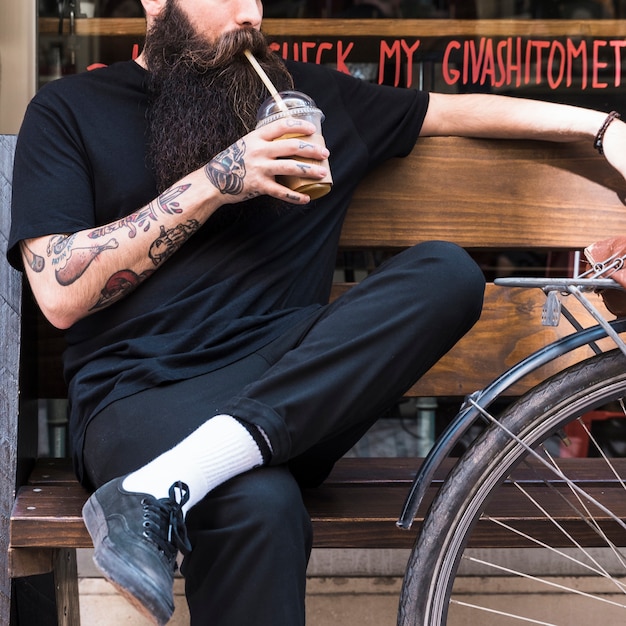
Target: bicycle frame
[[478, 401]]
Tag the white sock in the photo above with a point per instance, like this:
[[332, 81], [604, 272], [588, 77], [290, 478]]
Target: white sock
[[218, 450]]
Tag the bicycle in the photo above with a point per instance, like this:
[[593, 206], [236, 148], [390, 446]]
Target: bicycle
[[526, 437]]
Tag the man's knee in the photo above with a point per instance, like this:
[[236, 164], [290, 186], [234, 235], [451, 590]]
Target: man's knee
[[449, 272], [462, 273]]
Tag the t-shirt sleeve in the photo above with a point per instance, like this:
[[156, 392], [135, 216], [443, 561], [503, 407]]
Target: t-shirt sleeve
[[52, 191], [386, 119]]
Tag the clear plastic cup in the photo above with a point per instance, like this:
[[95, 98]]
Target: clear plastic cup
[[303, 107]]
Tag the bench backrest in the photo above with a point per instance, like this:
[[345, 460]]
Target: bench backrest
[[489, 196]]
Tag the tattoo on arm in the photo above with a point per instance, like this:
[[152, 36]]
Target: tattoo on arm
[[119, 284], [227, 170], [170, 240], [34, 261], [167, 203], [70, 263]]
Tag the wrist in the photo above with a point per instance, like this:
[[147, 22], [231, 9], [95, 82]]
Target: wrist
[[598, 141]]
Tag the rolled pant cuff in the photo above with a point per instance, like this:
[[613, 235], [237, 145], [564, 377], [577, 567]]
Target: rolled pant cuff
[[254, 413]]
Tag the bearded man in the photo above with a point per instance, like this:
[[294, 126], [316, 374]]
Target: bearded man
[[208, 377]]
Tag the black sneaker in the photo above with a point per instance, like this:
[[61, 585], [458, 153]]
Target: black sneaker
[[136, 539]]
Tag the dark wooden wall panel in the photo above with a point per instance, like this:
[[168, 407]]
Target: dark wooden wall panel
[[10, 298]]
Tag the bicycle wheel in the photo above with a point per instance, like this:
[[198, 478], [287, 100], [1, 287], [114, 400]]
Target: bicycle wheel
[[459, 508]]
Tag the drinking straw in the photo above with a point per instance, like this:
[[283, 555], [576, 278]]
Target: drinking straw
[[267, 82]]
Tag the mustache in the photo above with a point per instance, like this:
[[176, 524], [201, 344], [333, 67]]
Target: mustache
[[226, 51], [230, 48]]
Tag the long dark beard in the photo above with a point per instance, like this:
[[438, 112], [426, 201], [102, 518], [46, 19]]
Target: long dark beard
[[203, 96]]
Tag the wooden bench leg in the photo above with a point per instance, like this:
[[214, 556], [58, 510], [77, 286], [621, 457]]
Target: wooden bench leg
[[66, 586], [61, 563]]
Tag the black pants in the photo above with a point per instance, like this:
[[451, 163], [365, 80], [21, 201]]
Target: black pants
[[314, 392]]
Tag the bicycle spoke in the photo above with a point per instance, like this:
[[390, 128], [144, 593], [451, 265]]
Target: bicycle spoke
[[501, 613], [544, 581], [600, 570], [601, 451]]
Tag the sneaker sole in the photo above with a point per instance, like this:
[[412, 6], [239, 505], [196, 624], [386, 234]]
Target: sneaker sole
[[113, 566]]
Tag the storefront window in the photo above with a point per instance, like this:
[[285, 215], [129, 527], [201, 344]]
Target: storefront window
[[566, 50]]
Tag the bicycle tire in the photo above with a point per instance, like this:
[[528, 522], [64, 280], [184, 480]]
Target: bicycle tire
[[447, 527]]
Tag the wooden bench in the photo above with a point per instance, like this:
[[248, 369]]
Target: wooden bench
[[489, 196]]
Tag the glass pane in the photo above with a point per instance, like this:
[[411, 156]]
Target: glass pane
[[565, 50]]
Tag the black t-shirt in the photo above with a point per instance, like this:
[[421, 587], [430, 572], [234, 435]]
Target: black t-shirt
[[237, 283]]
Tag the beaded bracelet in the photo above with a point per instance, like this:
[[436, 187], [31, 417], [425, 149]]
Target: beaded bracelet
[[597, 142]]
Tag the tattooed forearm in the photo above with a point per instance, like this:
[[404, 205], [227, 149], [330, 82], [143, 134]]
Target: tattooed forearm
[[34, 261], [123, 282], [166, 203], [170, 240], [227, 170], [70, 263], [119, 285]]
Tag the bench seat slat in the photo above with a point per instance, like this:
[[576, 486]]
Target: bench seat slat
[[49, 516], [357, 507], [343, 516]]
